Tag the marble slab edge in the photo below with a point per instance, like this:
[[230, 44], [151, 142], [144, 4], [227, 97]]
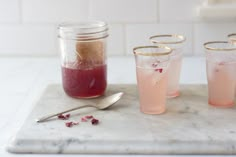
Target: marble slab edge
[[170, 148]]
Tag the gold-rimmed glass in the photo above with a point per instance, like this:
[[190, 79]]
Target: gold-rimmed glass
[[175, 42], [221, 76], [152, 63]]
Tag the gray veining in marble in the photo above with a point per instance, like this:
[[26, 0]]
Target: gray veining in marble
[[190, 126]]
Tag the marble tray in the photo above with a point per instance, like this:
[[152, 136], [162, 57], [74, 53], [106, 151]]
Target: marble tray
[[190, 126]]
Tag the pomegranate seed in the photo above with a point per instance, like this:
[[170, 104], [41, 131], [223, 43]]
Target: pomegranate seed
[[63, 117], [60, 116], [84, 119], [67, 116], [160, 70], [88, 117], [94, 121], [69, 124]]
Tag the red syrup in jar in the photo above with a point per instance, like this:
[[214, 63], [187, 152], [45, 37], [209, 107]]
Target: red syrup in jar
[[84, 82]]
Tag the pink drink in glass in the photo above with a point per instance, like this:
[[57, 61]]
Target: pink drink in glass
[[152, 63], [221, 83], [221, 75], [174, 75], [152, 85], [175, 42]]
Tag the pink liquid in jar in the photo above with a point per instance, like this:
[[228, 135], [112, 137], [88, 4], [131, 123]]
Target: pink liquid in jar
[[84, 82]]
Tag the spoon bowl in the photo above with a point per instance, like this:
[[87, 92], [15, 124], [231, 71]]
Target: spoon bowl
[[108, 101], [102, 104]]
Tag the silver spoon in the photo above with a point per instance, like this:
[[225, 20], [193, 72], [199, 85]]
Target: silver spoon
[[101, 105]]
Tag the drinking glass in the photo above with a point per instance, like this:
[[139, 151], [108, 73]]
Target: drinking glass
[[152, 63], [232, 40], [221, 76], [83, 58], [176, 43]]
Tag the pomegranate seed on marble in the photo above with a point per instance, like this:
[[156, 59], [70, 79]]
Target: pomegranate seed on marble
[[69, 124], [67, 116], [60, 116], [83, 119], [63, 117], [88, 117], [94, 121]]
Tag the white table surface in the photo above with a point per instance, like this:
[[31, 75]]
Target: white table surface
[[23, 79]]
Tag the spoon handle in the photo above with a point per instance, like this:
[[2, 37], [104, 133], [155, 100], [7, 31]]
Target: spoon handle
[[42, 119]]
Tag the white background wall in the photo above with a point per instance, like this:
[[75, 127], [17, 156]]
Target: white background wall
[[28, 27]]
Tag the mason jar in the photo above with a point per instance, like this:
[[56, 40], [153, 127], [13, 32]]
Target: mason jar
[[83, 58]]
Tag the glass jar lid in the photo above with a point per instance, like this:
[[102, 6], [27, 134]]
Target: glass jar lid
[[90, 30]]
